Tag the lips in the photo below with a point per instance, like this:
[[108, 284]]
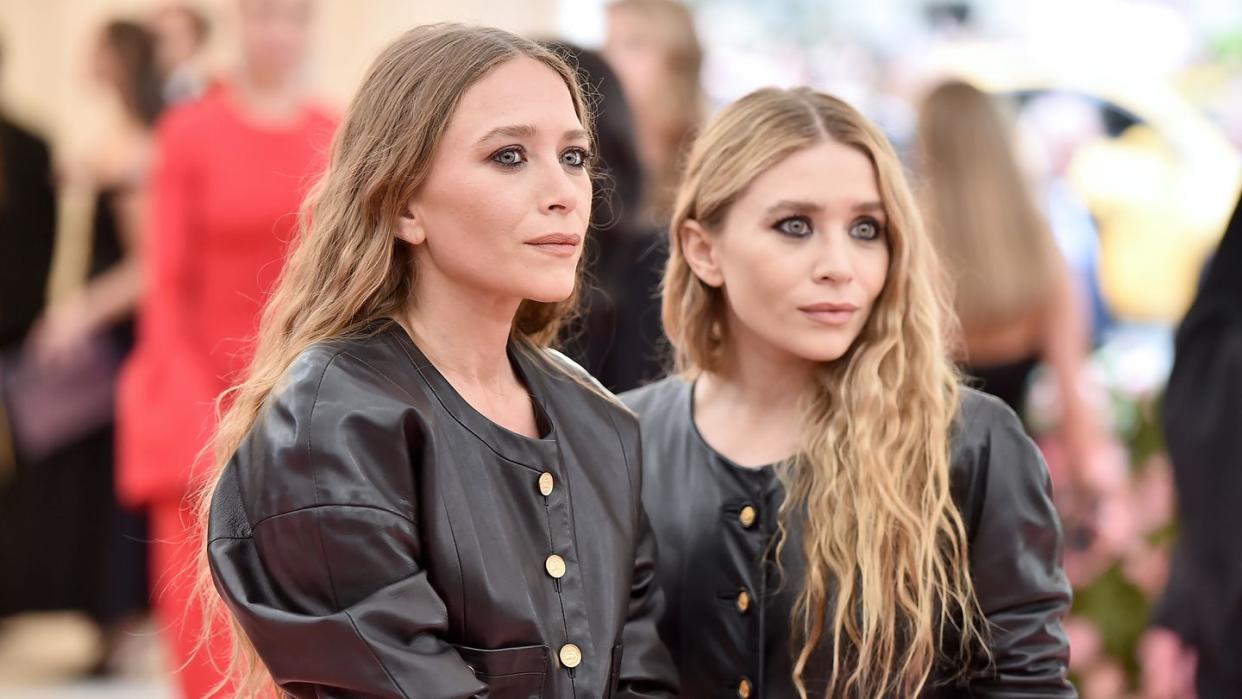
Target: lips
[[559, 244], [556, 239], [833, 314], [828, 307]]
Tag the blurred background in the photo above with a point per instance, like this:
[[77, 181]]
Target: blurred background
[[1085, 153]]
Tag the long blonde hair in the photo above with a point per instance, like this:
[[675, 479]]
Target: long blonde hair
[[347, 269], [1000, 256], [884, 545]]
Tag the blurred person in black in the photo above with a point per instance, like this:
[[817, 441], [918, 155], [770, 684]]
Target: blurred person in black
[[116, 168], [90, 553], [1199, 619], [27, 231], [618, 336], [27, 239]]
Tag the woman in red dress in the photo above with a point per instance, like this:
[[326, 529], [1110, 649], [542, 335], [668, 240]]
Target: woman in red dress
[[231, 172]]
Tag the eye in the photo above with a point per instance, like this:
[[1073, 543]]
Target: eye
[[794, 226], [866, 229], [576, 157], [511, 157]]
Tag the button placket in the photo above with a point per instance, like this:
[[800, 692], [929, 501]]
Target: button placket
[[747, 527], [561, 566]]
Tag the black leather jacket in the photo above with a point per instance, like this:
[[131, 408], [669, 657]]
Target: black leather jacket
[[728, 614], [375, 536]]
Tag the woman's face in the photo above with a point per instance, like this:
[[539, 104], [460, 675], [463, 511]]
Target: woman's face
[[637, 57], [274, 35], [104, 66], [176, 39], [801, 256], [504, 209]]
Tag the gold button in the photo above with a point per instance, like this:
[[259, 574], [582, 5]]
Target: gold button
[[555, 565], [743, 688], [546, 484], [571, 655], [747, 516], [743, 602]]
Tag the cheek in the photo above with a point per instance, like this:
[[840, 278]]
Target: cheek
[[761, 277], [873, 272], [469, 220], [586, 194]]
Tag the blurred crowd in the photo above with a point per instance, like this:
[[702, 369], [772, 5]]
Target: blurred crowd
[[1077, 226]]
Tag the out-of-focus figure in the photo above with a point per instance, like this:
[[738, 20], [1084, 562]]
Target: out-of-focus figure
[[181, 33], [1014, 297], [653, 47], [27, 239], [90, 553], [117, 170], [618, 336], [1200, 616], [231, 172], [27, 229]]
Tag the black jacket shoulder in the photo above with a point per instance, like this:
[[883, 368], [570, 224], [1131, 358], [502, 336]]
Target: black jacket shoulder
[[338, 394]]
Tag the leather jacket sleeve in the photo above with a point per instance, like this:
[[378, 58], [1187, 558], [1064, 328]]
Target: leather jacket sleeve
[[1015, 556], [327, 584]]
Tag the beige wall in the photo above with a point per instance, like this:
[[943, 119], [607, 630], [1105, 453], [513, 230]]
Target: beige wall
[[45, 52]]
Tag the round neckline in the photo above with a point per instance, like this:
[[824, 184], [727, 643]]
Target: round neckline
[[229, 96], [765, 469], [535, 452]]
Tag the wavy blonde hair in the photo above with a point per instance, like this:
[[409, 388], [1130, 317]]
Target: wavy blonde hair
[[347, 269], [885, 546], [1001, 258]]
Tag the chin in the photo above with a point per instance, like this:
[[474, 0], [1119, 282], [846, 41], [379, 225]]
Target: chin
[[549, 293], [820, 349]]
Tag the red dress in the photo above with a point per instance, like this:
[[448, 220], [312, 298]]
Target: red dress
[[224, 204]]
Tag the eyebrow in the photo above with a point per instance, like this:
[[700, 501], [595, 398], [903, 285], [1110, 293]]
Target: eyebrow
[[528, 131], [810, 207]]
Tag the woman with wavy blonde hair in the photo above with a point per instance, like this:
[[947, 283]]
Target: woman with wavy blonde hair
[[415, 498], [836, 516]]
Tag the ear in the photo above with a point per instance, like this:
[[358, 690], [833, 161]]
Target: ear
[[699, 248], [410, 227]]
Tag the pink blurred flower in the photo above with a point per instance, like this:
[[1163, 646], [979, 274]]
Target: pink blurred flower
[[1085, 642], [1104, 681]]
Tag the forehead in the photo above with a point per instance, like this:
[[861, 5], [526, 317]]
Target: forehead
[[830, 174], [521, 91]]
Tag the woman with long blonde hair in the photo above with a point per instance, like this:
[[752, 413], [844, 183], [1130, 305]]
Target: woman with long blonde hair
[[1011, 289], [836, 516], [415, 498]]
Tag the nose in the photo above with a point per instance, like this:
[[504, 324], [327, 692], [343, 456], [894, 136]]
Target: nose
[[834, 263], [559, 189]]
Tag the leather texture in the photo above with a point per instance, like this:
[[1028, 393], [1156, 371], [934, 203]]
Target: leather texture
[[375, 536], [715, 522]]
